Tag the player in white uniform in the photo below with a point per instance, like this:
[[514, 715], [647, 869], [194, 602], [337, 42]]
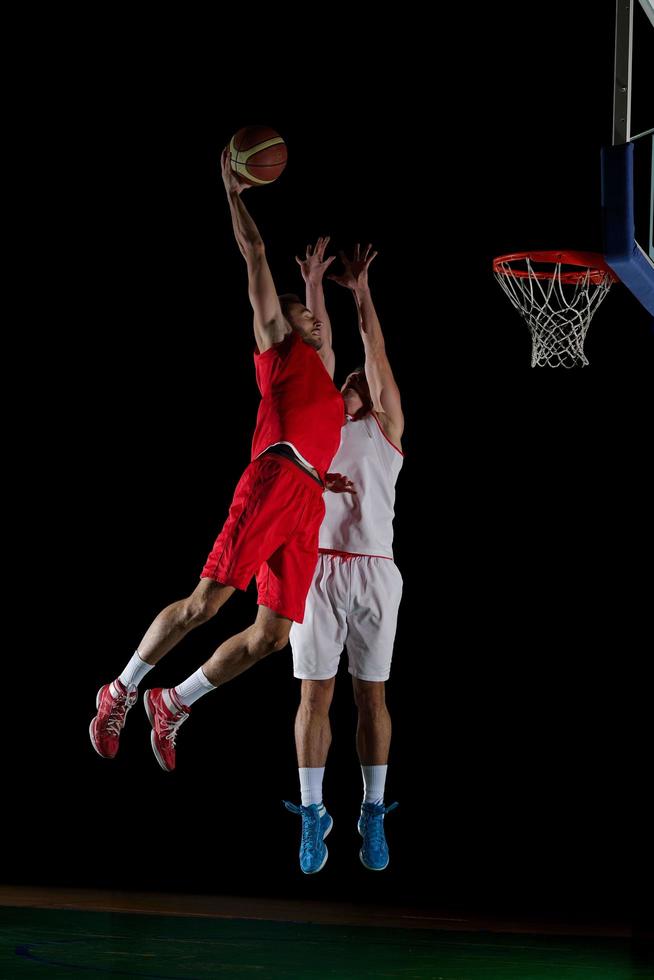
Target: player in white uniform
[[354, 598]]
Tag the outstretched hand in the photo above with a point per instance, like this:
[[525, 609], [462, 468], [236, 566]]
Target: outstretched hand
[[233, 183], [314, 265], [355, 274], [338, 483]]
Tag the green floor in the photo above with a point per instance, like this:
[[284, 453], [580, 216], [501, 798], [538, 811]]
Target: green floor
[[59, 944]]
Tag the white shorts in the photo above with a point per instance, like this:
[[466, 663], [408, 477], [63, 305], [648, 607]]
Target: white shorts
[[352, 603]]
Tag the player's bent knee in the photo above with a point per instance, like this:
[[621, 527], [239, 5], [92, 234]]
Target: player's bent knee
[[266, 641], [198, 611]]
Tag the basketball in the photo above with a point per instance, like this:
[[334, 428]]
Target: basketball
[[258, 154]]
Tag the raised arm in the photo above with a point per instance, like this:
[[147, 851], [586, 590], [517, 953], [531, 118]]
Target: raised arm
[[384, 391], [269, 324], [313, 266]]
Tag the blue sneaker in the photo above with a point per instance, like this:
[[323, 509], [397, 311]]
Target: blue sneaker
[[313, 852], [374, 849]]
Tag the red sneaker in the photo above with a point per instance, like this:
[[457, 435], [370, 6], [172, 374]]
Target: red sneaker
[[113, 702], [166, 713]]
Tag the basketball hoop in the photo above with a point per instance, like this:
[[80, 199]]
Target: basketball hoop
[[557, 302]]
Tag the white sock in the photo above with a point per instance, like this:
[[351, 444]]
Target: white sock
[[194, 687], [311, 785], [374, 780], [135, 671]]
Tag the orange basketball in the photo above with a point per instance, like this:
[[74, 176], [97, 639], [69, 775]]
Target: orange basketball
[[258, 154]]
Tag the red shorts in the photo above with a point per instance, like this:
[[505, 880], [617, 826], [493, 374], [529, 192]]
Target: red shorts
[[271, 531]]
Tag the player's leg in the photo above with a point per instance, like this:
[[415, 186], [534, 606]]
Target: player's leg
[[168, 708], [233, 560], [376, 587], [317, 643]]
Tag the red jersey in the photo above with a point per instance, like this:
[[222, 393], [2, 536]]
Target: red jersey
[[300, 403]]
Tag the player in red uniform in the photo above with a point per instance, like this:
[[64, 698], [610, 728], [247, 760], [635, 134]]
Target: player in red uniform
[[274, 518]]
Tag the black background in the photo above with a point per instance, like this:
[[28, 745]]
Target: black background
[[521, 508]]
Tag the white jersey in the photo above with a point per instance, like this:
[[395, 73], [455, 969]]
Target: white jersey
[[362, 523]]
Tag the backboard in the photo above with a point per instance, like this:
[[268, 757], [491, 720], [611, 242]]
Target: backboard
[[628, 165]]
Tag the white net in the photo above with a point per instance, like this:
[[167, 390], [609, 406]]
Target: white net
[[556, 305]]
